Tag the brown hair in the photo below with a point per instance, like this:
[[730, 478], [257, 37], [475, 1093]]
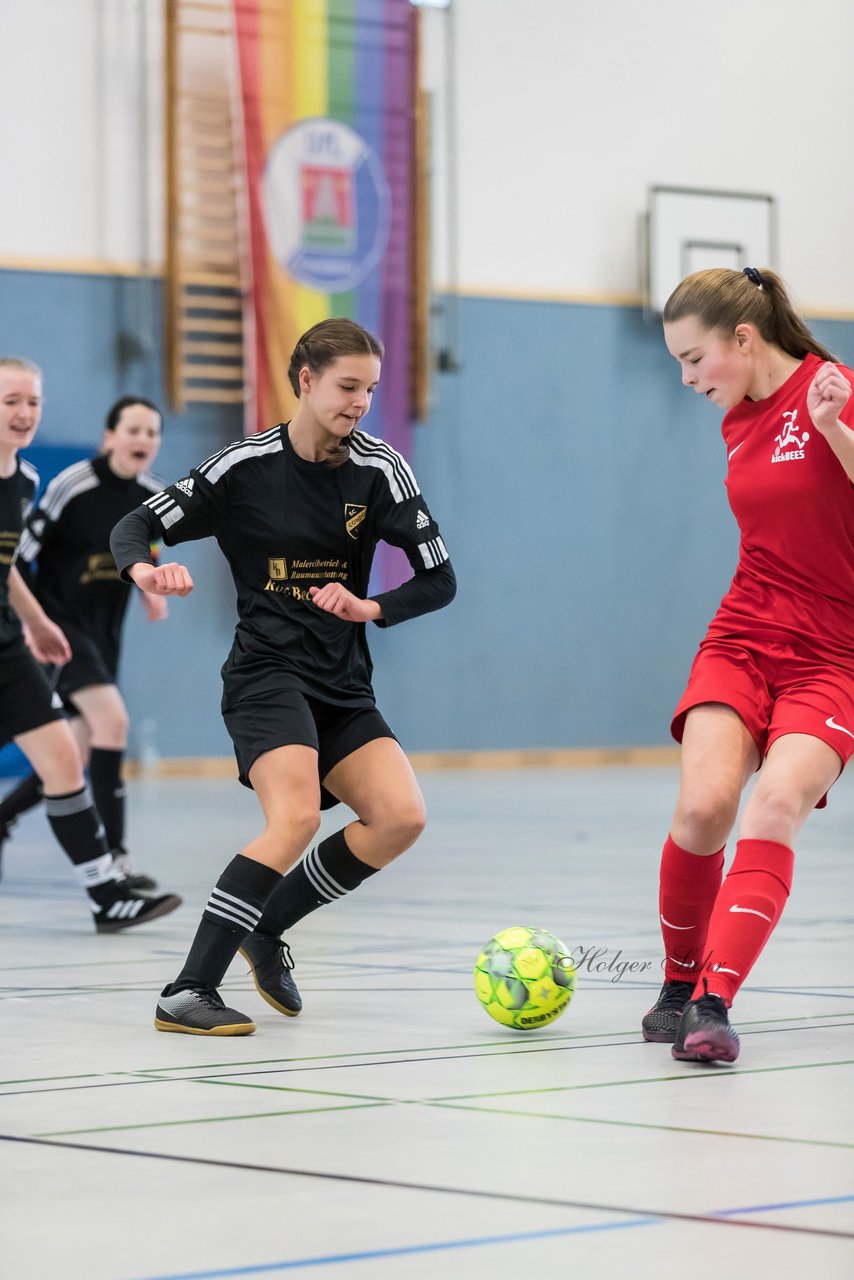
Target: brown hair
[[320, 346], [723, 299], [18, 362]]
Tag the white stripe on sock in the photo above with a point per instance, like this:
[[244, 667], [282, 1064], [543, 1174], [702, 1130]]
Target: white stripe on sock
[[320, 877]]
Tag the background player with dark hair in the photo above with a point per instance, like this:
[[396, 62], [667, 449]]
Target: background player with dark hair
[[298, 512], [27, 714], [65, 554], [773, 682]]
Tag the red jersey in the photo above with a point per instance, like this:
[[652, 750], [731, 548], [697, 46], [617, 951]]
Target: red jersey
[[794, 506]]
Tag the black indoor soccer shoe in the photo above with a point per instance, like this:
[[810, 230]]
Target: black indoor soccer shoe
[[129, 908], [661, 1023], [271, 963], [705, 1034], [135, 879], [200, 1012]]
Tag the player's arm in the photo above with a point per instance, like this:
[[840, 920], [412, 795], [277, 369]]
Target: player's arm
[[156, 608], [46, 641], [130, 543], [184, 512], [827, 398], [408, 524], [426, 591]]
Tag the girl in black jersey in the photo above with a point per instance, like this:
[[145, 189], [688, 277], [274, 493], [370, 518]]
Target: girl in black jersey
[[27, 714], [298, 512], [65, 555]]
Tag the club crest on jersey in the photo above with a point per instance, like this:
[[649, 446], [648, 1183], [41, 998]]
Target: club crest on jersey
[[277, 568], [354, 517], [791, 440]]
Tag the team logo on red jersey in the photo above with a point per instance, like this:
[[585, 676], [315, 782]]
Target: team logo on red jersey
[[791, 440]]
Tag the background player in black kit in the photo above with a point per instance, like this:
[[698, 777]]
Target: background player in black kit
[[64, 554], [298, 512], [27, 714]]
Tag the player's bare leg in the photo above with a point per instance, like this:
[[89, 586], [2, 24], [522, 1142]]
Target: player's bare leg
[[377, 782], [285, 781], [54, 755]]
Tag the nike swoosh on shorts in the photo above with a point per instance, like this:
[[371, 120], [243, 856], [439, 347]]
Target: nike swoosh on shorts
[[832, 725]]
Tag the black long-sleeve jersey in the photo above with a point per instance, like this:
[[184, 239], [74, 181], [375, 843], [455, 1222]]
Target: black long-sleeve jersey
[[66, 546], [286, 525], [16, 498]]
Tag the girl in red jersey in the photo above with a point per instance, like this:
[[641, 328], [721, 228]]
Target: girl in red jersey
[[773, 682]]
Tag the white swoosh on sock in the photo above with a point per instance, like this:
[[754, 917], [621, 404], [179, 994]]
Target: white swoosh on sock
[[750, 912], [680, 927]]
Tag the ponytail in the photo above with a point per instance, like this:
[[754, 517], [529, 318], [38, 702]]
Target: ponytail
[[723, 299]]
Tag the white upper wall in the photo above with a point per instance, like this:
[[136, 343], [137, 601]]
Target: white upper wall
[[80, 131], [566, 112]]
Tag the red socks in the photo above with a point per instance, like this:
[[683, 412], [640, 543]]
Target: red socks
[[750, 902], [688, 888]]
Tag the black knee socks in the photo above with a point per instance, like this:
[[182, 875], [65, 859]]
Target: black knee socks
[[105, 775], [233, 910], [79, 830], [324, 874]]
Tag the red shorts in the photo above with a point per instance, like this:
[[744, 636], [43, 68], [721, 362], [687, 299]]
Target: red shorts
[[775, 690]]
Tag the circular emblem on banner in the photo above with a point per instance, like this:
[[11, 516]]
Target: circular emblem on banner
[[326, 205]]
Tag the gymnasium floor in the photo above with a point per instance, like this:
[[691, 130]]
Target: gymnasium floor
[[393, 1130]]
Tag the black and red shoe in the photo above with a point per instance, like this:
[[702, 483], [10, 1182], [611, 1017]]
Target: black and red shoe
[[705, 1034], [661, 1023]]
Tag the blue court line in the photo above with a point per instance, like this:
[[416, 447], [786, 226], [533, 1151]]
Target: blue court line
[[406, 1250], [785, 1204], [481, 1241]]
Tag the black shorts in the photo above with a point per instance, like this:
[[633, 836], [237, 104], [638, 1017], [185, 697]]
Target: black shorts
[[94, 660], [287, 717], [26, 698]]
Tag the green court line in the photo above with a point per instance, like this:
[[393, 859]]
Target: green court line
[[504, 1044], [637, 1124], [164, 1073], [680, 1078], [284, 1088], [89, 1075], [383, 1053], [174, 1124]]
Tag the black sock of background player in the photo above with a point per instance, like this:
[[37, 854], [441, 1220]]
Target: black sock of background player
[[108, 792], [79, 830]]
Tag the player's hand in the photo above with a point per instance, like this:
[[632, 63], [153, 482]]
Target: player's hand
[[156, 608], [47, 643], [335, 598], [162, 579], [827, 396]]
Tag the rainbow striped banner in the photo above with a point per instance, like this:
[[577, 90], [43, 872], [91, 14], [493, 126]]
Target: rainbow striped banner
[[328, 89]]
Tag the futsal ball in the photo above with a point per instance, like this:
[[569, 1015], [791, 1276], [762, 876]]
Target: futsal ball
[[524, 978]]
